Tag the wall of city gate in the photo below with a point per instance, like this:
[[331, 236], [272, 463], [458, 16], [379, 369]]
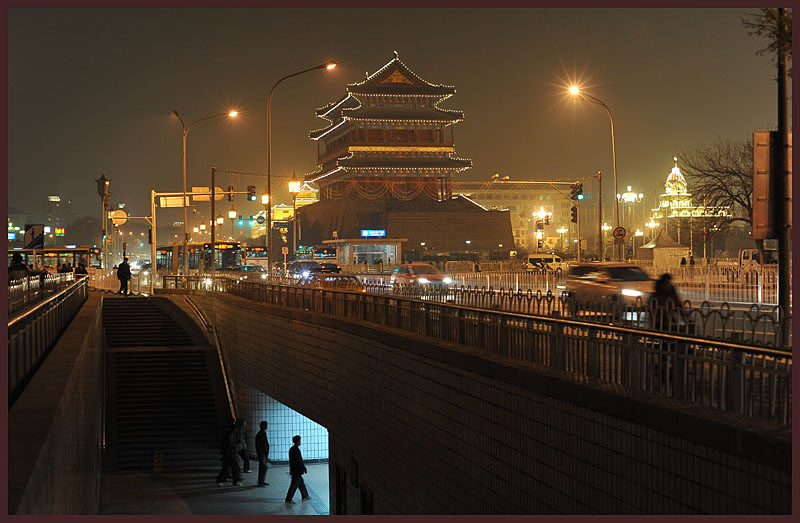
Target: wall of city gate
[[418, 427]]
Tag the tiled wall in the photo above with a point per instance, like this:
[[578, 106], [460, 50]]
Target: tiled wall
[[436, 430], [284, 424]]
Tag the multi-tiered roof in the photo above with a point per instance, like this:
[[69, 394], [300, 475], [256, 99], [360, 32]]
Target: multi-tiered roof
[[388, 129]]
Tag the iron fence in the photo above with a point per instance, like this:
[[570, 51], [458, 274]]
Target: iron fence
[[24, 292], [748, 380], [32, 334]]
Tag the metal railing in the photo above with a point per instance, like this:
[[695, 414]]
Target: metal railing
[[32, 334], [747, 380], [24, 292], [106, 279]]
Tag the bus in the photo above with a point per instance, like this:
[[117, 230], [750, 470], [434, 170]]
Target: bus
[[255, 255], [51, 258], [170, 257]]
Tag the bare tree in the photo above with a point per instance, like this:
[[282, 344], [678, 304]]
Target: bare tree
[[769, 24], [721, 175]]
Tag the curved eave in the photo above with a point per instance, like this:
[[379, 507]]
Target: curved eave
[[391, 63]]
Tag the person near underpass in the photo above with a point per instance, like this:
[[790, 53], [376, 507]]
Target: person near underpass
[[666, 304]]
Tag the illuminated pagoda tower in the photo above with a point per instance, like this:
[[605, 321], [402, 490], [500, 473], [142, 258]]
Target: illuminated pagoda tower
[[385, 162]]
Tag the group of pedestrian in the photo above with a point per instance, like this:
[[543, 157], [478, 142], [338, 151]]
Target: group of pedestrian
[[234, 442]]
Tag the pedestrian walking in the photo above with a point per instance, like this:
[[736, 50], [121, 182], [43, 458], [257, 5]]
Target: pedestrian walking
[[241, 444], [296, 469], [123, 275], [691, 260], [81, 269], [17, 270], [262, 452], [228, 451], [683, 261], [476, 266], [668, 309]]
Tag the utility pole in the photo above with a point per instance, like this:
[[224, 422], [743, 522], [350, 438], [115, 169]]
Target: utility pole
[[600, 244], [779, 180], [578, 205]]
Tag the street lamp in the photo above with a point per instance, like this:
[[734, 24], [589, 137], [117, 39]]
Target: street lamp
[[637, 234], [294, 188], [328, 66], [562, 230], [652, 224], [185, 130], [575, 91]]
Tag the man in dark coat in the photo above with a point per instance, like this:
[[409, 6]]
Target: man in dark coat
[[262, 451], [17, 270], [228, 450], [296, 469], [123, 275], [241, 444]]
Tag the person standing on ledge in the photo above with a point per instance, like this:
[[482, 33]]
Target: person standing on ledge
[[296, 469], [123, 275], [262, 452]]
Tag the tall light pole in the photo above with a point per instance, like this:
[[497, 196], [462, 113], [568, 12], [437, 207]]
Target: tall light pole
[[102, 190], [185, 131], [294, 188], [328, 65], [575, 91]]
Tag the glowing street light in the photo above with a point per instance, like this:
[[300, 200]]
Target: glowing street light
[[185, 130], [326, 65], [232, 214], [576, 92]]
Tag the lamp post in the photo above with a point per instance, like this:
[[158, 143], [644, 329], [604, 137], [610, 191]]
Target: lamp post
[[232, 216], [606, 227], [185, 131], [630, 198], [294, 188], [561, 231], [102, 190], [637, 234], [328, 65], [575, 91], [652, 224]]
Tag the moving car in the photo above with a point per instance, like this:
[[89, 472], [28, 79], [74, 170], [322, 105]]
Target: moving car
[[544, 262], [338, 281], [607, 282], [419, 273], [302, 269]]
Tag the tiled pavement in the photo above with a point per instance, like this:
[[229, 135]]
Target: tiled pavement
[[196, 492]]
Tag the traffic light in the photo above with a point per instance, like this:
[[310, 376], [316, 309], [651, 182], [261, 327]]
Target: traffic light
[[539, 224], [540, 244], [574, 212], [230, 193], [576, 191], [251, 193], [150, 236], [547, 219]]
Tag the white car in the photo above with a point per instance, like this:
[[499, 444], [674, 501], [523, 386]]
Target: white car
[[609, 281]]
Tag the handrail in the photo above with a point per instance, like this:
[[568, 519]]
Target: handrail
[[210, 327], [23, 315]]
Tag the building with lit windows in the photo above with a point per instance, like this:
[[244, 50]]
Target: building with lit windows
[[676, 210], [386, 159]]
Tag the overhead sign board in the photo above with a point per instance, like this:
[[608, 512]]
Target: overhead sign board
[[373, 233], [172, 201], [219, 194], [280, 225]]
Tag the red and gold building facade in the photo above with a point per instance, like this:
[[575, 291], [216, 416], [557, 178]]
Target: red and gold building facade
[[387, 156]]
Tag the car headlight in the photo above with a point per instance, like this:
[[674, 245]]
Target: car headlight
[[146, 273], [560, 286], [631, 292], [207, 281], [263, 276], [305, 274], [447, 280], [423, 280]]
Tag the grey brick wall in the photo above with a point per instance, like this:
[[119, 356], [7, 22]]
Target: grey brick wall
[[433, 429]]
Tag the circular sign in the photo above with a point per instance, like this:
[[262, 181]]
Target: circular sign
[[118, 217], [618, 233], [284, 250], [261, 220]]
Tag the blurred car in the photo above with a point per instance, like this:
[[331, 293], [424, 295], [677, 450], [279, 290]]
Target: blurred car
[[328, 267], [597, 283], [338, 281], [302, 269], [419, 273]]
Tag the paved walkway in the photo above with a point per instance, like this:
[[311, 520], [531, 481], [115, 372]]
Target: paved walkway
[[196, 492]]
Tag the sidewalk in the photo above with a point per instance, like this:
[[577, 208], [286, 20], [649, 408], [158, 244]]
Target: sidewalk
[[196, 492]]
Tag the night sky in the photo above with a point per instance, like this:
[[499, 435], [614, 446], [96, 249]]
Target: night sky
[[93, 89]]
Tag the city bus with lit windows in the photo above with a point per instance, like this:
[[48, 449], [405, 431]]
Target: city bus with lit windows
[[324, 254], [170, 257], [255, 255], [51, 258]]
